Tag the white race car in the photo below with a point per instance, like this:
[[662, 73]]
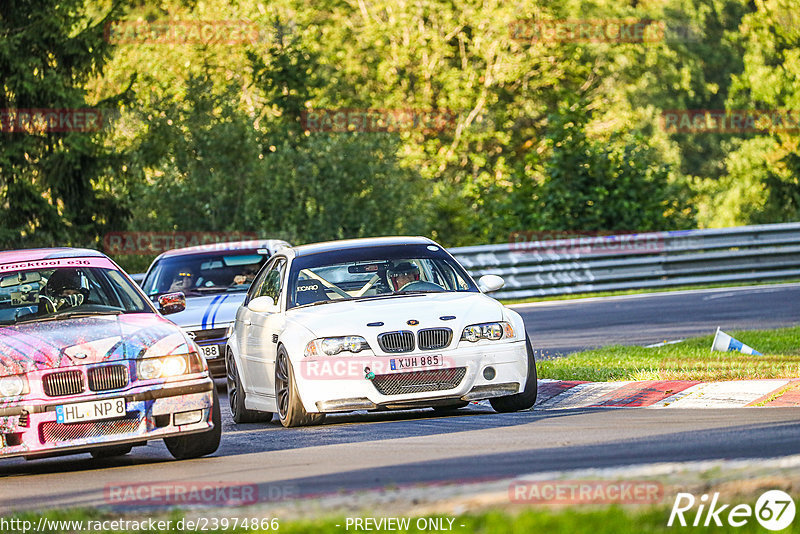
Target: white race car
[[373, 324]]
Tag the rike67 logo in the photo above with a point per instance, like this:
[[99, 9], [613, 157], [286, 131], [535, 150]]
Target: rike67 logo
[[774, 510]]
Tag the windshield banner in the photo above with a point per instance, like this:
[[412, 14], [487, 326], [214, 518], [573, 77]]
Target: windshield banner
[[102, 263]]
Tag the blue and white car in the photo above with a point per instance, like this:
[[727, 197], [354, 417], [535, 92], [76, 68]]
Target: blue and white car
[[215, 279]]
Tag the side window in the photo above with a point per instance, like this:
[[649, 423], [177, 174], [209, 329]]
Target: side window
[[269, 281], [258, 283], [272, 281]]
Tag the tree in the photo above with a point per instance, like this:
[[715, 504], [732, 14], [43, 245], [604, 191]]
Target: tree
[[764, 183], [55, 187], [615, 184]]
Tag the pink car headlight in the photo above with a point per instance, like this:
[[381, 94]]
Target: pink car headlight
[[13, 386]]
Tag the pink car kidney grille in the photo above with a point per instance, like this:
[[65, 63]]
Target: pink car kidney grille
[[108, 377], [54, 432], [63, 383]]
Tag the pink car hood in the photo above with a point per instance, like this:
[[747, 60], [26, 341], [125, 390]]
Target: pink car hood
[[79, 341]]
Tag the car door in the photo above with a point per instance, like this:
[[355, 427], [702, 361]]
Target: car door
[[261, 332], [242, 330]]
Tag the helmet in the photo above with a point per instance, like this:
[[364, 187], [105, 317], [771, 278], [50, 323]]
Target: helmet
[[66, 279], [405, 268]]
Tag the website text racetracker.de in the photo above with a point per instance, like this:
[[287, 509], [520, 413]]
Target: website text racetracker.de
[[202, 524], [38, 120], [145, 243], [598, 242]]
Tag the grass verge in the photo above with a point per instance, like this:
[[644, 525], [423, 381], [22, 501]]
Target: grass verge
[[688, 360]]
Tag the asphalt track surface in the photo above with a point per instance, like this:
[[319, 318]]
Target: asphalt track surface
[[360, 452], [365, 452], [560, 327]]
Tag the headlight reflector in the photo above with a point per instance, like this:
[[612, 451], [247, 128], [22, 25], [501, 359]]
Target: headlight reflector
[[168, 366], [472, 333], [330, 346], [493, 331], [150, 368], [173, 366], [13, 386]]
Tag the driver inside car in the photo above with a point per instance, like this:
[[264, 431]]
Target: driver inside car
[[184, 279], [247, 275], [66, 288], [403, 274]]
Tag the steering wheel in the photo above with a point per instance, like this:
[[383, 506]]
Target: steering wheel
[[420, 285]]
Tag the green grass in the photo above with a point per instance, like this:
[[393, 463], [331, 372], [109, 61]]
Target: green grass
[[574, 520], [643, 291], [688, 360]]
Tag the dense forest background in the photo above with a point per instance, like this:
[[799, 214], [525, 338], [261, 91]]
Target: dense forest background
[[541, 133]]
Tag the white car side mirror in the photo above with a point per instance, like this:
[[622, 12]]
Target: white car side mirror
[[263, 304], [490, 282]]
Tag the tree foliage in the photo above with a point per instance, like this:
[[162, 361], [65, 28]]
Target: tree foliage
[[546, 134], [55, 187]]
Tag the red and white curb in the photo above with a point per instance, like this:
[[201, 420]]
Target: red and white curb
[[563, 394]]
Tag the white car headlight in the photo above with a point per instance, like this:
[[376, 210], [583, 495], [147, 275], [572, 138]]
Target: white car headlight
[[330, 346], [493, 331], [13, 386], [168, 366]]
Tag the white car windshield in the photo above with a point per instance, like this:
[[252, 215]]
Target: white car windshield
[[316, 281], [48, 294]]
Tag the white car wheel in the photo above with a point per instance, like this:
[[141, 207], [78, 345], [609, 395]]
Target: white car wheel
[[236, 395], [290, 409], [525, 399]]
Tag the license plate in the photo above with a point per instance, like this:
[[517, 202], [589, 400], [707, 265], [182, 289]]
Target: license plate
[[91, 411], [416, 362], [210, 351]]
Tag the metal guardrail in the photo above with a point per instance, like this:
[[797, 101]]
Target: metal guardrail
[[584, 264]]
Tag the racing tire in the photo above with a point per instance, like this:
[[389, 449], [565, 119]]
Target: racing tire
[[236, 395], [112, 451], [290, 409], [197, 445], [527, 397]]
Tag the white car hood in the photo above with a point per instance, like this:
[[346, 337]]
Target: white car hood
[[351, 317]]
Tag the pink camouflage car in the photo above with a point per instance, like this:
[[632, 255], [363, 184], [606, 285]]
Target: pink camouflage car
[[87, 363]]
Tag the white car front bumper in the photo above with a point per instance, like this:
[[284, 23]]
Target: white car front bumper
[[340, 383]]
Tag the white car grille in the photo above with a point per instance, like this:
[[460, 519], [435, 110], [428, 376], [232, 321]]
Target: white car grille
[[419, 381], [394, 342], [434, 338]]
